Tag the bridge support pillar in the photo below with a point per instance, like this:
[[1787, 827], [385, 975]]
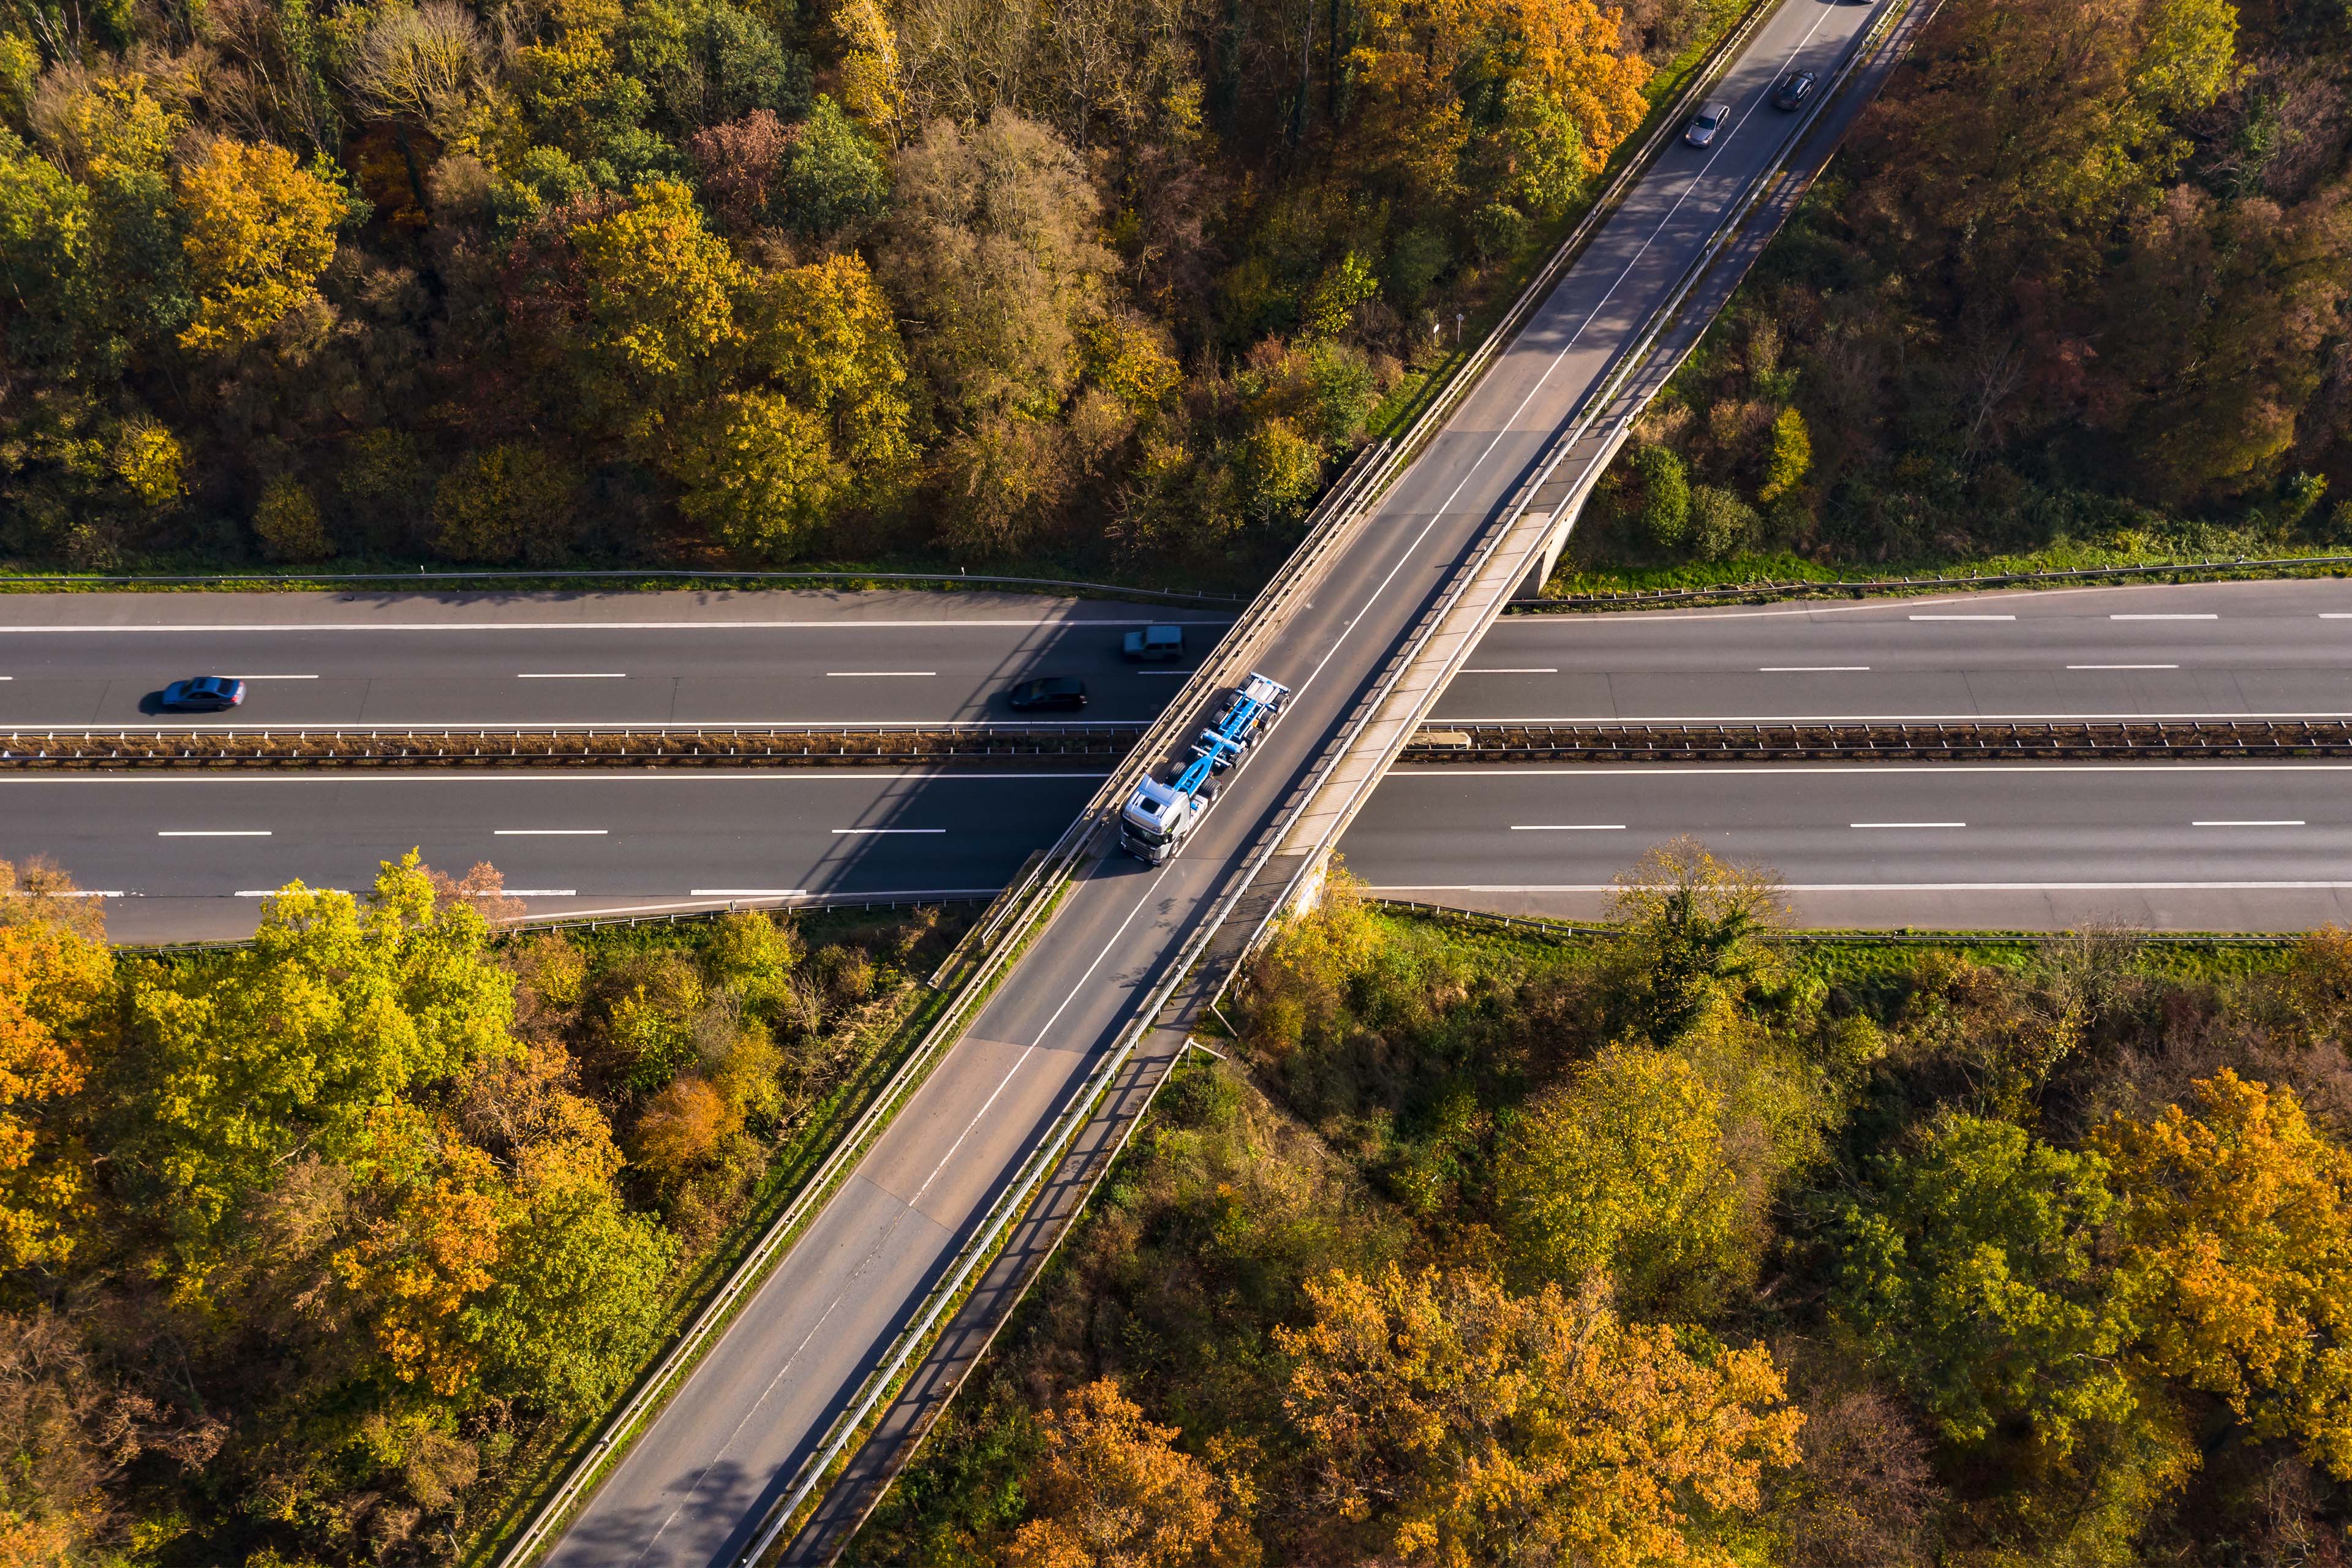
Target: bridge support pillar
[[1554, 542]]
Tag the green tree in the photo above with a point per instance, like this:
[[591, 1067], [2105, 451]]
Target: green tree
[[505, 503], [661, 291], [1691, 923], [1789, 459], [575, 1301], [1665, 496], [1621, 1174], [1973, 1274], [286, 520], [337, 1009], [833, 178], [1277, 471]]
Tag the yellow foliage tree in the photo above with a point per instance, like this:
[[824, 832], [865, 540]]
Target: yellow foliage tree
[[1113, 1490], [52, 979], [869, 69], [147, 458], [660, 286], [826, 335], [2239, 1223], [1622, 1175], [757, 471], [423, 1260], [260, 230], [1464, 1425]]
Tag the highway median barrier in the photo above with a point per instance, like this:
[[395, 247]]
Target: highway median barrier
[[149, 748], [1966, 740]]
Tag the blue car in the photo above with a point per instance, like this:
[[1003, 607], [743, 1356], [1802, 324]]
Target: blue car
[[204, 694]]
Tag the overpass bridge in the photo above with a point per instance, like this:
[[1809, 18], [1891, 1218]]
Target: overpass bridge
[[777, 1423]]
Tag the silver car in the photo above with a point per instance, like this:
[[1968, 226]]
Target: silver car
[[1702, 125]]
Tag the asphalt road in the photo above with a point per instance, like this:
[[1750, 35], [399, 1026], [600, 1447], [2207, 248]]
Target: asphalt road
[[2179, 846], [792, 658], [186, 857], [2211, 649], [690, 1489]]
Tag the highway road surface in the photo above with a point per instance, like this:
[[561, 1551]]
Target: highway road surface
[[2209, 650], [786, 657], [692, 1489], [186, 857], [2168, 846]]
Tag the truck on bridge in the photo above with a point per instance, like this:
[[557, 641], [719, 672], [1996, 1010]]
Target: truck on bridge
[[1153, 822]]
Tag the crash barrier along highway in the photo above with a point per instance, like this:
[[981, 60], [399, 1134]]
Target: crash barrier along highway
[[147, 749], [1878, 742], [2285, 566]]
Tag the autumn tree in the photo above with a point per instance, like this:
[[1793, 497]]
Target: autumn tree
[[992, 248], [53, 979], [1452, 1423], [1620, 1175], [2238, 1225], [756, 471], [260, 230], [1112, 1491], [660, 292]]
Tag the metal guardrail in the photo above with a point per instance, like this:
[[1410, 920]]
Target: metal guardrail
[[146, 749], [2177, 740], [1649, 598], [1454, 914], [590, 574]]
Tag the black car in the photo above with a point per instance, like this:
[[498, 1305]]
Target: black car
[[204, 694], [1061, 692], [1796, 89]]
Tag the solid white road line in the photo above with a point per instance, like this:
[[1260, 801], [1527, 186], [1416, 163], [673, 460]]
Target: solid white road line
[[2221, 822], [2123, 667], [843, 832], [747, 892], [1906, 824], [576, 675], [847, 673], [1811, 668], [529, 893], [1890, 887], [273, 892], [1568, 827], [1963, 617], [116, 629], [212, 833], [548, 832], [2153, 616], [1511, 672]]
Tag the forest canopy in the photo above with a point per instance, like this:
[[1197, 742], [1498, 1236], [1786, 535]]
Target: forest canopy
[[546, 282]]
